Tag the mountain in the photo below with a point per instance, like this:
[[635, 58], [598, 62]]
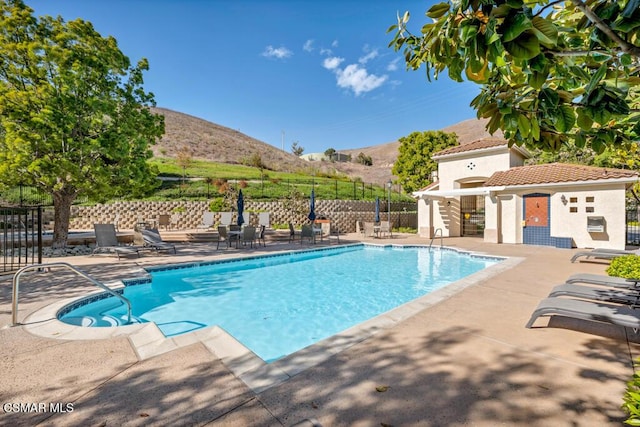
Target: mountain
[[210, 141]]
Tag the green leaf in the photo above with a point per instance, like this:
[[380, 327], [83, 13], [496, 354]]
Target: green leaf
[[565, 118], [535, 129], [514, 26], [536, 79], [438, 10], [524, 126], [545, 30], [580, 140], [526, 47], [584, 121]]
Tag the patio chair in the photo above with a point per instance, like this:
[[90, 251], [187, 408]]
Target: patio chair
[[292, 233], [226, 218], [248, 236], [600, 253], [385, 229], [596, 293], [307, 232], [153, 240], [107, 242], [603, 280], [587, 310], [260, 237], [164, 220], [370, 229], [207, 221], [224, 236]]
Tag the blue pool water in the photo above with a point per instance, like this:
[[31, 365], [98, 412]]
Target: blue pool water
[[277, 305]]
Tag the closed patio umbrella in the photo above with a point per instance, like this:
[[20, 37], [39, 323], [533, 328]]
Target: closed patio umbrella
[[312, 207], [377, 218], [240, 208]]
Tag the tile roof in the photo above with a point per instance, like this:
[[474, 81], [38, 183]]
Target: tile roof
[[555, 173], [471, 146]]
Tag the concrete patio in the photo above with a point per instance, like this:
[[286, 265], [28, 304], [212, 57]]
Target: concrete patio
[[465, 360]]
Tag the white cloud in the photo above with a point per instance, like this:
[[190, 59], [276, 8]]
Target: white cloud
[[393, 65], [334, 44], [368, 57], [358, 79], [332, 63], [279, 53], [308, 46], [325, 51]]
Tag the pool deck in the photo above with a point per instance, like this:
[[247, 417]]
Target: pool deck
[[464, 358]]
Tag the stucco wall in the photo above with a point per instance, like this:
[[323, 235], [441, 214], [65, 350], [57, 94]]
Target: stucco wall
[[608, 202], [452, 171]]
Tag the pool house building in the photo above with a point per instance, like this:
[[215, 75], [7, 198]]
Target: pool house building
[[484, 189]]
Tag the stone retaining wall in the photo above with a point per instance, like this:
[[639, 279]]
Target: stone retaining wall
[[344, 213]]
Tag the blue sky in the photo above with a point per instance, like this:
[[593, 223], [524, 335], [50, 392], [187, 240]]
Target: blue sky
[[316, 72]]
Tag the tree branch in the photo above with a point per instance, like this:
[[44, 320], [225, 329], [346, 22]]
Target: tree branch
[[599, 23], [553, 3]]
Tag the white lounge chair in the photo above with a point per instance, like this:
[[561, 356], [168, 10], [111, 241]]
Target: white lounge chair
[[226, 218], [207, 221], [264, 219]]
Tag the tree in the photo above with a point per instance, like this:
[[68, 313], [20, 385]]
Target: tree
[[551, 73], [414, 164], [329, 153], [297, 149], [74, 119], [363, 159], [184, 159]]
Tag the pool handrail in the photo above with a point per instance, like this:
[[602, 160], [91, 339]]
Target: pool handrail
[[16, 287], [436, 235]]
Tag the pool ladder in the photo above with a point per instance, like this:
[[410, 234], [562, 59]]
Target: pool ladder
[[16, 287], [436, 235]]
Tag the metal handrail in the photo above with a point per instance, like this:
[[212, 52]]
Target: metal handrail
[[436, 235], [16, 286]]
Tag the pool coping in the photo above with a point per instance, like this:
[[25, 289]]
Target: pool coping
[[148, 341]]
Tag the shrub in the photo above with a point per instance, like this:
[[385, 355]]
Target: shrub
[[631, 404], [218, 205], [627, 266]]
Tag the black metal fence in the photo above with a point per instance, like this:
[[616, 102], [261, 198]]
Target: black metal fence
[[20, 237], [633, 221]]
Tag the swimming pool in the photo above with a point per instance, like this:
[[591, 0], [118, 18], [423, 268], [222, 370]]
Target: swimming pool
[[276, 305]]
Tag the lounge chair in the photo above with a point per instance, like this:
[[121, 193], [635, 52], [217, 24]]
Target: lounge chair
[[264, 219], [207, 221], [600, 253], [226, 218], [599, 279], [153, 240], [107, 242], [596, 293], [587, 310]]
